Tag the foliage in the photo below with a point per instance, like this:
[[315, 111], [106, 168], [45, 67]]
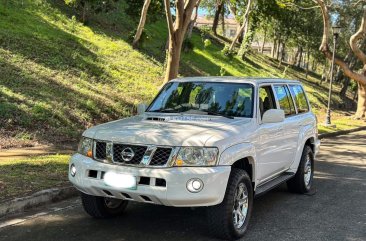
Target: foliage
[[222, 71], [134, 7], [207, 43], [145, 37], [187, 45], [227, 52]]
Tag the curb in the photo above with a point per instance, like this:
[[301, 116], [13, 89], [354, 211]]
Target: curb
[[39, 198], [338, 133]]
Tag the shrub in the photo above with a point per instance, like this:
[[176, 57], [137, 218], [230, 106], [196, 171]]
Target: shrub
[[227, 52], [187, 45], [207, 43]]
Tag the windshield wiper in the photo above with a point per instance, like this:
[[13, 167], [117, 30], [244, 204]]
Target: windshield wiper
[[218, 114]]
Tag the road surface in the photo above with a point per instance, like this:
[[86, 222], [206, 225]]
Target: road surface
[[336, 210]]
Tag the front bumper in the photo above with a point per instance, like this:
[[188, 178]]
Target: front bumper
[[174, 193]]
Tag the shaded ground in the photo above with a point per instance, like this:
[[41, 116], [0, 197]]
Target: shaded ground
[[336, 211]]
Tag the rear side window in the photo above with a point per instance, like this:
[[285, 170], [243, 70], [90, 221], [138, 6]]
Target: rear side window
[[285, 100], [300, 99]]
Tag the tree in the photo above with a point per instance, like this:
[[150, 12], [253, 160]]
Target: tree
[[193, 20], [141, 25], [219, 9], [177, 31], [360, 78], [243, 26]]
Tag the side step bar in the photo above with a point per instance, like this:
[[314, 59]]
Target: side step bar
[[265, 187]]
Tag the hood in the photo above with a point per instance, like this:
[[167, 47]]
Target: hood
[[167, 129]]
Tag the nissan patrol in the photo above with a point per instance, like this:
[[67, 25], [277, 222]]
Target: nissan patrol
[[214, 142]]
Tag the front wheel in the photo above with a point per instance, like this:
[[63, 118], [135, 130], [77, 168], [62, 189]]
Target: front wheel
[[303, 179], [103, 207], [229, 220]]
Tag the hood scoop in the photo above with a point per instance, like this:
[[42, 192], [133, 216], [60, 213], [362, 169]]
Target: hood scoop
[[155, 119]]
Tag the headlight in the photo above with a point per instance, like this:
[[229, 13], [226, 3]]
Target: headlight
[[86, 147], [196, 156]]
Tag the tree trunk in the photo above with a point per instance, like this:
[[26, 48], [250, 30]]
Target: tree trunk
[[191, 24], [174, 50], [344, 89], [300, 57], [177, 31], [278, 49], [307, 63], [273, 50], [219, 8], [223, 19], [264, 40], [361, 102], [141, 25], [245, 21]]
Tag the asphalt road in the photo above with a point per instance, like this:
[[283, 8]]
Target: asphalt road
[[336, 210]]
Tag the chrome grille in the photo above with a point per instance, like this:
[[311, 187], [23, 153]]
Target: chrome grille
[[138, 151], [100, 150], [149, 155], [161, 156]]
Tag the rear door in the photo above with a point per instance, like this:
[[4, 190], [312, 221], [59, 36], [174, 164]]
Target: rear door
[[291, 125]]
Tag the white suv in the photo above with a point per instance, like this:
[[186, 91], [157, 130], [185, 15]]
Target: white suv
[[209, 141]]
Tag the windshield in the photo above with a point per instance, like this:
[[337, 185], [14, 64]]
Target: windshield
[[212, 98]]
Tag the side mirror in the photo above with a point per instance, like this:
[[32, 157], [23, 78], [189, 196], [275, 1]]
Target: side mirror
[[273, 116], [141, 108]]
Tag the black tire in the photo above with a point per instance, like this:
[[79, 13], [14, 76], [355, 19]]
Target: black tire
[[297, 184], [97, 206], [220, 217]]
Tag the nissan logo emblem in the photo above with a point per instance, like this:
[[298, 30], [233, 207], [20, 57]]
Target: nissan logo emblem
[[127, 154]]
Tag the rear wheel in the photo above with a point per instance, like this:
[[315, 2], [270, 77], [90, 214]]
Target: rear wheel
[[103, 207], [229, 219], [303, 179]]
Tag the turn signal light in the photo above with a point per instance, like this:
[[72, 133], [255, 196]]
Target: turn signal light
[[179, 162], [89, 153]]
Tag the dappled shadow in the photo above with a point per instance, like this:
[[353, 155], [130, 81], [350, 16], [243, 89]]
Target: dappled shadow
[[39, 40], [50, 108]]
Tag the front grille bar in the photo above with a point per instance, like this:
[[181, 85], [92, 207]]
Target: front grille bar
[[146, 159]]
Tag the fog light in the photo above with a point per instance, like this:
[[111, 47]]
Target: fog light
[[73, 170], [195, 185]]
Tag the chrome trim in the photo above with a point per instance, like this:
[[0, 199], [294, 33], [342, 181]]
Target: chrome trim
[[149, 153]]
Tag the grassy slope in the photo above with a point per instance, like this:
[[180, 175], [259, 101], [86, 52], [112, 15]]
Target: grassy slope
[[59, 77], [22, 177]]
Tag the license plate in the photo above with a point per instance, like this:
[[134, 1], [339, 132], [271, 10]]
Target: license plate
[[118, 180]]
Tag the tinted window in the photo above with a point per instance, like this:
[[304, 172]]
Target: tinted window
[[300, 98], [266, 99], [285, 100], [230, 99]]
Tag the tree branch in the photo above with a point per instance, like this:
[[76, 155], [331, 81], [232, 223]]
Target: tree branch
[[358, 36], [179, 20], [169, 18], [360, 78]]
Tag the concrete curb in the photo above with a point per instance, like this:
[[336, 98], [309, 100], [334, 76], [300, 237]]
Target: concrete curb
[[338, 133], [39, 198]]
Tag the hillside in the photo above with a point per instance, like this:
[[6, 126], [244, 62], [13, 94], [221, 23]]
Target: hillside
[[59, 77]]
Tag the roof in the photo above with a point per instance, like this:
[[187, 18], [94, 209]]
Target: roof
[[234, 79]]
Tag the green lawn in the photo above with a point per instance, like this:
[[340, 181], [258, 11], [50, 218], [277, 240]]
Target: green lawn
[[22, 177]]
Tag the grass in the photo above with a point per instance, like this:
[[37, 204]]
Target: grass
[[26, 176], [59, 77]]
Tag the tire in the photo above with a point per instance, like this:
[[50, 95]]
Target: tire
[[102, 207], [299, 183], [221, 218]]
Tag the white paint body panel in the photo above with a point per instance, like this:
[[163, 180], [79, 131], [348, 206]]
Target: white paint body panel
[[271, 148]]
